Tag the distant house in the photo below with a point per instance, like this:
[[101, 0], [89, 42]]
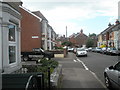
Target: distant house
[[110, 36], [51, 35], [60, 40], [10, 16], [79, 39]]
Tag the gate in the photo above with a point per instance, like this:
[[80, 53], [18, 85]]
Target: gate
[[26, 81]]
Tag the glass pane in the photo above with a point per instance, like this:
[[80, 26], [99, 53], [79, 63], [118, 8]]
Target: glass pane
[[12, 54], [11, 33]]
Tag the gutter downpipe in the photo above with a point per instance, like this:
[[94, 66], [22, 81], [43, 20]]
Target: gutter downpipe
[[1, 41]]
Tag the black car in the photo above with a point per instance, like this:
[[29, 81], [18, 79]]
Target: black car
[[112, 76]]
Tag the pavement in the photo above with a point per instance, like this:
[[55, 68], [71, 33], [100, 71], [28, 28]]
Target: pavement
[[75, 75]]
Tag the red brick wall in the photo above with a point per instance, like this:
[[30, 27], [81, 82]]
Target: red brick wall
[[81, 39], [72, 39], [30, 26]]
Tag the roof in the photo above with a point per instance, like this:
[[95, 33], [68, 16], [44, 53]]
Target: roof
[[80, 34], [30, 12], [110, 28], [39, 14]]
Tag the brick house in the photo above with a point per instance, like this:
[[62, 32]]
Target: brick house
[[110, 36], [48, 34], [60, 40], [72, 39], [79, 39], [31, 30], [10, 16]]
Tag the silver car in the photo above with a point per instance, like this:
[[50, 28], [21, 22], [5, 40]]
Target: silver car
[[112, 76]]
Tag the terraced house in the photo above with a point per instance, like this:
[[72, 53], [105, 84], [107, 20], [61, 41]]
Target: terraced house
[[36, 32], [78, 39], [10, 16], [110, 36], [48, 34]]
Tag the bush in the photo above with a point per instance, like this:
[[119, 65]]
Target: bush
[[44, 67]]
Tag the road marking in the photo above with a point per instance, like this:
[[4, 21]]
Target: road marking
[[86, 68], [98, 79], [74, 60]]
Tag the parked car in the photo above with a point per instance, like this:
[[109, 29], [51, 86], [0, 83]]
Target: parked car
[[112, 51], [89, 49], [36, 52], [81, 52], [103, 50], [98, 50], [70, 49], [112, 76], [108, 51], [86, 49], [75, 50], [93, 49]]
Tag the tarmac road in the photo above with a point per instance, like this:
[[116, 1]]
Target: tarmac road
[[77, 75]]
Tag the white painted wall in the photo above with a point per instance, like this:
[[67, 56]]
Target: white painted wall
[[44, 30], [8, 68], [50, 30], [116, 39], [0, 46], [0, 38]]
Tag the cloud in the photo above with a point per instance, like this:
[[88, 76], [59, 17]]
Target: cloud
[[62, 13]]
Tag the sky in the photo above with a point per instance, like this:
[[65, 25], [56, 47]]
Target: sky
[[93, 16]]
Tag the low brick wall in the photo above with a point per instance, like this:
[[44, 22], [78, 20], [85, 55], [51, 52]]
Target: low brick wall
[[59, 53]]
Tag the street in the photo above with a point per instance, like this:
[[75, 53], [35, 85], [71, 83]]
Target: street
[[85, 72]]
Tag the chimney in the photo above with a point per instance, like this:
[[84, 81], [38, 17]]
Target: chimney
[[81, 31], [109, 24], [117, 22]]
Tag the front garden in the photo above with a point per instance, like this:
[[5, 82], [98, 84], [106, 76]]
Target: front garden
[[45, 66]]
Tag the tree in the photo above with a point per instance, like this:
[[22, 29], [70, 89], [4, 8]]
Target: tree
[[92, 35], [67, 43], [89, 43]]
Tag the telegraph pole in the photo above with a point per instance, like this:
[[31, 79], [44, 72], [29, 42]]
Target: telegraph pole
[[66, 31]]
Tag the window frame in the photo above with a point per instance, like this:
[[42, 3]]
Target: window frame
[[13, 43], [116, 66]]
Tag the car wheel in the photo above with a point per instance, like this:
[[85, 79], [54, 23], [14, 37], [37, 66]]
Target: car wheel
[[107, 82]]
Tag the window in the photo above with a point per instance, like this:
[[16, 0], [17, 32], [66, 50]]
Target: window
[[12, 54], [117, 66], [11, 33], [12, 43]]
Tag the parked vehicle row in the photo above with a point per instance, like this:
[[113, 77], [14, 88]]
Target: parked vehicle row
[[78, 51], [106, 50]]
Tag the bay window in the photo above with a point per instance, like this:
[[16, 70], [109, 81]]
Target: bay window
[[12, 43]]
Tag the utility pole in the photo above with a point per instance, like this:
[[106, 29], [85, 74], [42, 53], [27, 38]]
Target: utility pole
[[66, 31]]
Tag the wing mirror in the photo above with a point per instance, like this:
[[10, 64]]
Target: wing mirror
[[111, 67]]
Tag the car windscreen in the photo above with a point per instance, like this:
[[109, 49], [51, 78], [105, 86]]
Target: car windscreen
[[80, 49]]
